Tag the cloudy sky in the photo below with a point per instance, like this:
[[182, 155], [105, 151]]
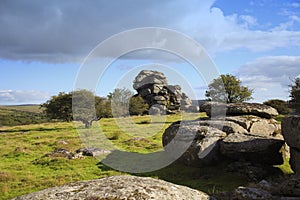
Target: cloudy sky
[[43, 44]]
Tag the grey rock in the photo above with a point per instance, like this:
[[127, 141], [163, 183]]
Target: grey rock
[[146, 77], [233, 109], [256, 124], [291, 187], [253, 148], [92, 151], [295, 160], [60, 153], [248, 193], [226, 126], [119, 187], [290, 131], [201, 143]]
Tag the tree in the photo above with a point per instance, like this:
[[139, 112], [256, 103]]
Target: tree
[[227, 88], [84, 104], [280, 105], [120, 102], [295, 95], [59, 107], [81, 105], [137, 105]]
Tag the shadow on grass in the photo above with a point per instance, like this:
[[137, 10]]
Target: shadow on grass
[[212, 179]]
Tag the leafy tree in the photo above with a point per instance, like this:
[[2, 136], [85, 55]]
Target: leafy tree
[[59, 107], [227, 88], [295, 95], [79, 105], [84, 107], [120, 101], [280, 105], [137, 105]]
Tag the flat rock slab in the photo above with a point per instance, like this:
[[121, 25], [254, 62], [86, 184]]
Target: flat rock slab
[[253, 148], [119, 188], [214, 109]]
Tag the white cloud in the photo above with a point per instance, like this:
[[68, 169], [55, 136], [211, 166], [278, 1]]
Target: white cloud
[[295, 5], [10, 97], [56, 31], [270, 76]]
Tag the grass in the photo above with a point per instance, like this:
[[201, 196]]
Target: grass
[[25, 169]]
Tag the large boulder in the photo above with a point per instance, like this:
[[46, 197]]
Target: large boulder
[[153, 87], [253, 148], [291, 133], [146, 77], [117, 188], [201, 143], [232, 109]]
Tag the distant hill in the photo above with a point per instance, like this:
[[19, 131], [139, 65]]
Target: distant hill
[[35, 108], [21, 115]]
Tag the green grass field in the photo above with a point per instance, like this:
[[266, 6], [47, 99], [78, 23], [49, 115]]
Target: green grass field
[[24, 169]]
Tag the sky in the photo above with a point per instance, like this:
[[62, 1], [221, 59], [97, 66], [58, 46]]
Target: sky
[[44, 45]]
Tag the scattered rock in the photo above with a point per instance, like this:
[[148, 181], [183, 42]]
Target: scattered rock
[[233, 109], [248, 193], [92, 151], [253, 148], [60, 153], [117, 188]]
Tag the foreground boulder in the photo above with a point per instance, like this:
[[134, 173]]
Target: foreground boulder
[[253, 148], [233, 109], [117, 188], [246, 134], [201, 142]]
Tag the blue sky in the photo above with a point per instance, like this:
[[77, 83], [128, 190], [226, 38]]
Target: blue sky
[[43, 44]]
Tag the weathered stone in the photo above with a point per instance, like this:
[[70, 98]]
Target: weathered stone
[[119, 188], [213, 109], [291, 187], [93, 151], [201, 143], [248, 193], [263, 127], [257, 125], [149, 77], [253, 148], [60, 153], [291, 131], [226, 126], [153, 87], [295, 160]]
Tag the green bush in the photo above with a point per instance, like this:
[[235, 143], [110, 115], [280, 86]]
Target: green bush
[[280, 105]]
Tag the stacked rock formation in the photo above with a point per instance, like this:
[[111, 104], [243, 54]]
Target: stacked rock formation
[[247, 133], [119, 187], [291, 133], [161, 97]]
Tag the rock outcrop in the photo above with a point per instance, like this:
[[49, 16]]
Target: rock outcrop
[[162, 98], [291, 133], [119, 187], [232, 109], [246, 133]]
